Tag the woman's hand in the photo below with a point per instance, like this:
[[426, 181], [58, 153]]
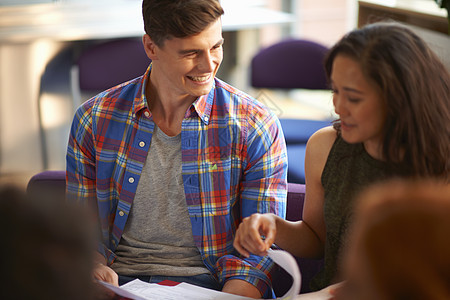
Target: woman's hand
[[255, 234]]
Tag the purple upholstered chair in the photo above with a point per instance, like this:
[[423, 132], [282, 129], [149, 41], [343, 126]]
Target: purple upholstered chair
[[104, 65], [52, 183], [308, 267], [292, 64], [80, 71]]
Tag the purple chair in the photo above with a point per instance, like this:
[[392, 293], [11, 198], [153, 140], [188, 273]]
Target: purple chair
[[80, 71], [54, 184], [103, 65], [282, 281], [292, 64]]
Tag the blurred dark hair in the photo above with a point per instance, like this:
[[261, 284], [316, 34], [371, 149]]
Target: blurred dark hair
[[47, 249], [165, 19], [415, 87]]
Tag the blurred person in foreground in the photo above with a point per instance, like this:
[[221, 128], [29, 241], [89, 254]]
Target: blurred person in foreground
[[171, 161], [399, 246], [392, 96], [46, 250]]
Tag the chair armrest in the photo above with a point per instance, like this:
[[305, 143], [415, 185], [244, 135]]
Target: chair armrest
[[51, 182], [295, 200]]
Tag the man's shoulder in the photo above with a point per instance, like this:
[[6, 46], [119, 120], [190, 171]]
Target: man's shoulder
[[240, 98], [120, 96], [228, 88]]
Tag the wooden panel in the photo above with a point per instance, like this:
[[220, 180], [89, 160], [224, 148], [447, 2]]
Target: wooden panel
[[417, 13]]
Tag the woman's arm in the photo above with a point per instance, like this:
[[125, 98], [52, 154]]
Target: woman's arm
[[303, 238]]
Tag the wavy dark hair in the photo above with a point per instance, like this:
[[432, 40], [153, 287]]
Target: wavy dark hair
[[415, 87], [165, 19]]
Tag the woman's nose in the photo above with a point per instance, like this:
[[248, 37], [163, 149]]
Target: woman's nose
[[336, 104]]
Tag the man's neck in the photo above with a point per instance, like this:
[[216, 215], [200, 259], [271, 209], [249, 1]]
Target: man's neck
[[168, 110]]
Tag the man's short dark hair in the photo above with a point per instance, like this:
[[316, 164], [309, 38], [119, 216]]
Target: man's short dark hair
[[165, 19]]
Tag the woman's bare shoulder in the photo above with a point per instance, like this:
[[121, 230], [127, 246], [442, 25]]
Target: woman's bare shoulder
[[322, 140]]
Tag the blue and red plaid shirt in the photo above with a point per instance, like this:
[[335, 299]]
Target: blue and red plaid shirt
[[234, 164]]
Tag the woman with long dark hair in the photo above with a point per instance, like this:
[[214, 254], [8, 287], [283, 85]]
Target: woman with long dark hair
[[391, 94]]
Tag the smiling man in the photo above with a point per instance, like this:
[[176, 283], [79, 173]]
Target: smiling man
[[172, 161]]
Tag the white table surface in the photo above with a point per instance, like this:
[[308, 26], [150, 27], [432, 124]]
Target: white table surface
[[70, 21]]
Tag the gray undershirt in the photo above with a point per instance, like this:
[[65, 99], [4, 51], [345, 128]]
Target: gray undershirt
[[157, 239]]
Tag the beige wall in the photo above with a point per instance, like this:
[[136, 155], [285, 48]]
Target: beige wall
[[325, 21], [322, 21]]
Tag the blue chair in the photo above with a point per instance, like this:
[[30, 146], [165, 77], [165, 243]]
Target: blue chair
[[296, 133], [292, 64]]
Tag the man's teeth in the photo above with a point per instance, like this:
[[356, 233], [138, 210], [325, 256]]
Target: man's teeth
[[199, 78]]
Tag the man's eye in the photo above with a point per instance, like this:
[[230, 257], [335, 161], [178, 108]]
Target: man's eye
[[190, 54]]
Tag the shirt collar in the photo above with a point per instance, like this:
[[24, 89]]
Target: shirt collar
[[140, 102], [204, 103]]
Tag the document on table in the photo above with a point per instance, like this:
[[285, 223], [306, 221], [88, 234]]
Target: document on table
[[139, 290]]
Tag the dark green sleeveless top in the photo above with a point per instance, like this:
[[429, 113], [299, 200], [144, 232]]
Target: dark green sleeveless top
[[349, 169]]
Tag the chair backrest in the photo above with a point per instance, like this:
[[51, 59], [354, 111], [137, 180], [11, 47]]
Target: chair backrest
[[105, 65], [50, 182], [296, 133], [290, 64]]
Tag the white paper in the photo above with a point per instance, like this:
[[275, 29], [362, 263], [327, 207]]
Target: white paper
[[140, 290], [288, 263], [120, 291]]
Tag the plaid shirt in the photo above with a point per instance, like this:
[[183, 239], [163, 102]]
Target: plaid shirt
[[234, 164]]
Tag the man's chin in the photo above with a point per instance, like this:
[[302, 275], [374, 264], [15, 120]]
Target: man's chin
[[203, 91]]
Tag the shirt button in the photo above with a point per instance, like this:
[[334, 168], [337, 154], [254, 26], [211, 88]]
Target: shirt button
[[206, 118], [141, 144], [131, 180], [147, 114], [121, 213], [134, 116]]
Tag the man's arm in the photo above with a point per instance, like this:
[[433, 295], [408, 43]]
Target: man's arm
[[263, 190], [242, 288], [81, 166]]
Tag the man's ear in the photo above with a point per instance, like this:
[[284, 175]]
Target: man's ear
[[149, 47]]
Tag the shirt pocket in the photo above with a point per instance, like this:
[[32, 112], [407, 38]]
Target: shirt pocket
[[219, 180]]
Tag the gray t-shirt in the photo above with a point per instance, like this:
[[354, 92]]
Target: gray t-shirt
[[157, 239]]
